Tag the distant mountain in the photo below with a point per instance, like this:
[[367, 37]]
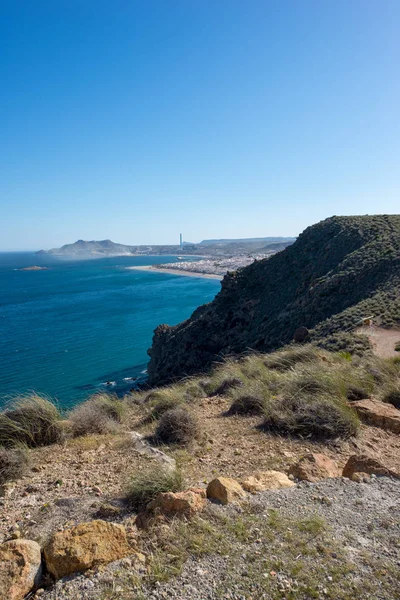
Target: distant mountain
[[83, 249], [97, 249], [337, 272], [262, 241]]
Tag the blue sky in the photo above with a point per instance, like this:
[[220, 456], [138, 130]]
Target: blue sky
[[219, 118]]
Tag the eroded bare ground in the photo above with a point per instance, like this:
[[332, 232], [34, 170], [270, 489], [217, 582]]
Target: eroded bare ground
[[87, 477], [383, 341]]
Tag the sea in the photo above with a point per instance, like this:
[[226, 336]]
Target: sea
[[84, 326]]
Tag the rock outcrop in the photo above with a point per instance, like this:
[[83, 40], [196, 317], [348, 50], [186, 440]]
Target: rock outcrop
[[266, 480], [367, 465], [336, 272], [378, 414], [225, 490], [20, 568], [186, 503], [85, 546], [314, 467]]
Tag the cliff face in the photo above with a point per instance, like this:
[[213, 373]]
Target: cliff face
[[337, 272]]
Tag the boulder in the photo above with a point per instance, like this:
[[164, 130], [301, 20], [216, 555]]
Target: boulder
[[379, 414], [301, 335], [20, 568], [314, 467], [225, 490], [366, 465], [267, 480], [85, 546], [186, 503]]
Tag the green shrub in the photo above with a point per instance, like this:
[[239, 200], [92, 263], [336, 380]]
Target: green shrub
[[32, 421], [13, 463], [177, 426], [100, 414], [145, 486], [397, 347], [317, 416]]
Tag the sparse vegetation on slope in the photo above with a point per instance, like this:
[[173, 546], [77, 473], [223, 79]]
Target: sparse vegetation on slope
[[337, 272]]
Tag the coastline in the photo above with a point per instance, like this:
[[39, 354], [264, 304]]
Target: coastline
[[153, 269]]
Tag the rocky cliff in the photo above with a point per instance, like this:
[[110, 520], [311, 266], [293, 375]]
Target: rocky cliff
[[337, 272]]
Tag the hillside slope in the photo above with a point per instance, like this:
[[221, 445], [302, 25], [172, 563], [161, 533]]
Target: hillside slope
[[338, 271]]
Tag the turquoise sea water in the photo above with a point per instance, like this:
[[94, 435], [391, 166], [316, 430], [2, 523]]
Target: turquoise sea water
[[68, 330]]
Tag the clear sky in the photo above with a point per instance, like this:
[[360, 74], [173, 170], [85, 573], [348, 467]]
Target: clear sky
[[219, 118]]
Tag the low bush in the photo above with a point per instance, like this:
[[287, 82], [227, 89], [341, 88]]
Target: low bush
[[177, 426], [32, 421], [316, 416], [357, 392], [397, 347], [393, 396], [145, 486], [13, 463], [247, 405], [100, 414]]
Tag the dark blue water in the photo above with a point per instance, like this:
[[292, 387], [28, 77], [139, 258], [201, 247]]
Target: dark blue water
[[68, 330]]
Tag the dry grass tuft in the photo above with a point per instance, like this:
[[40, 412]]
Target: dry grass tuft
[[145, 486], [318, 417], [287, 359], [32, 421], [100, 414], [13, 463], [177, 426]]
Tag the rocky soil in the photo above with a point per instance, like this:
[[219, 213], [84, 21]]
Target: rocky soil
[[352, 548]]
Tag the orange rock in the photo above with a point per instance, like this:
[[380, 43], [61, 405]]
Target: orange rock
[[379, 414], [185, 503], [267, 480], [85, 546], [225, 490], [20, 568], [313, 467], [366, 465]]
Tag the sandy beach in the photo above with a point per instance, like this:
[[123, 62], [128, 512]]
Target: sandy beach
[[155, 269]]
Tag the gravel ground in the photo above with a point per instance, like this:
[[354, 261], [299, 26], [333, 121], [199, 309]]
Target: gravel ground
[[363, 522]]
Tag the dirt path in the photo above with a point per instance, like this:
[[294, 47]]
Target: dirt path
[[383, 340]]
